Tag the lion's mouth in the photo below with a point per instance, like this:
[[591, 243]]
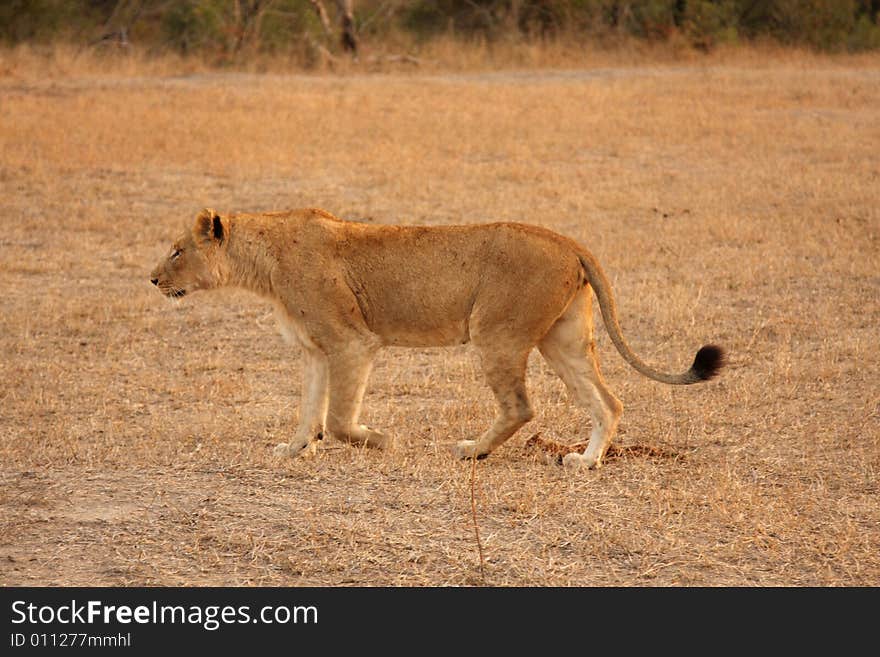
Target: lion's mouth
[[174, 293]]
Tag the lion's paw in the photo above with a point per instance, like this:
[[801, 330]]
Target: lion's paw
[[575, 461], [376, 439], [281, 450], [466, 449], [295, 449]]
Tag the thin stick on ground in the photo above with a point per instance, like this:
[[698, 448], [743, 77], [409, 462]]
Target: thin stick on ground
[[474, 517]]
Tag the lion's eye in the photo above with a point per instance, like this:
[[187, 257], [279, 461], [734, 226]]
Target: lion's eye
[[176, 254]]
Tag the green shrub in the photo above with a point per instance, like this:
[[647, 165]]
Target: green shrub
[[193, 25], [865, 35]]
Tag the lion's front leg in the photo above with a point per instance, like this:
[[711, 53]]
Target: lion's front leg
[[313, 409], [348, 373]]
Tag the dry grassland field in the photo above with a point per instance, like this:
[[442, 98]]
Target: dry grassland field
[[735, 202]]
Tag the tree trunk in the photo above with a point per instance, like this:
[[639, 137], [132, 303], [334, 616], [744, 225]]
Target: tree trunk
[[346, 19], [679, 10], [247, 15]]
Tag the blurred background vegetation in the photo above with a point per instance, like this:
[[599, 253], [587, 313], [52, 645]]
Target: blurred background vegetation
[[335, 28]]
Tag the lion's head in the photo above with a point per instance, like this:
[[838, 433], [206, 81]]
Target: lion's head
[[196, 259]]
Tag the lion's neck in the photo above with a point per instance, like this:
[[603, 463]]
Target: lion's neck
[[250, 262]]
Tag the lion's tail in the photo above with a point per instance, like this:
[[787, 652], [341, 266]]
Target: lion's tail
[[707, 363]]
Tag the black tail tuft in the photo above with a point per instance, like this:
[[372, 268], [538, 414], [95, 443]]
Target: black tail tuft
[[708, 362]]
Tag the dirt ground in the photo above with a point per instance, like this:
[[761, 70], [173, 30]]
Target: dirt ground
[[731, 203]]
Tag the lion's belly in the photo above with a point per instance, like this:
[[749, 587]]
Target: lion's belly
[[408, 334], [419, 320], [412, 308]]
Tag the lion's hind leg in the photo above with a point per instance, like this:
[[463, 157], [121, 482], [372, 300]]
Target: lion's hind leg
[[505, 373], [570, 351]]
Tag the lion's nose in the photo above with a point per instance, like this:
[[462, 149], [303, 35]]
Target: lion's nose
[[154, 281]]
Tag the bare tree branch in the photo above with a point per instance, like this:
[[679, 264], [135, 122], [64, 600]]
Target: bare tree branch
[[116, 29], [247, 16], [322, 16]]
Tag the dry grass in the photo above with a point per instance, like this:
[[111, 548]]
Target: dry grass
[[733, 202]]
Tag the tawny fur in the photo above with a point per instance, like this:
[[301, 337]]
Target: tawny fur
[[343, 290]]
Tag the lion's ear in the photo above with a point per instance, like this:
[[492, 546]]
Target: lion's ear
[[208, 226]]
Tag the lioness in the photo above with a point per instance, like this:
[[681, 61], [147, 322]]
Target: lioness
[[342, 290]]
